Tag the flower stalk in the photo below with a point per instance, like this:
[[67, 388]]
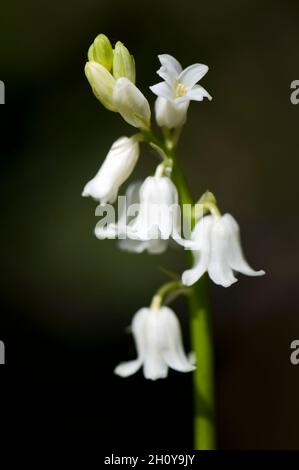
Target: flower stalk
[[201, 336], [203, 375], [163, 291]]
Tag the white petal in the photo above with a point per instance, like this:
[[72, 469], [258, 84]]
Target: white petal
[[162, 89], [101, 189], [169, 114], [131, 103], [154, 366], [168, 74], [125, 369], [197, 93], [191, 276], [200, 236], [168, 60], [170, 68], [219, 269], [171, 342], [132, 193], [111, 230], [200, 239], [139, 331], [177, 225], [236, 256], [131, 198], [192, 74], [154, 220]]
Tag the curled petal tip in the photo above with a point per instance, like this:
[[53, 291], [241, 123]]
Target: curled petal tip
[[261, 272], [188, 278]]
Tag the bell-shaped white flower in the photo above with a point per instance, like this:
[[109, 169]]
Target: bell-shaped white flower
[[131, 103], [117, 167], [119, 229], [216, 246], [159, 345], [153, 247], [177, 90], [158, 216]]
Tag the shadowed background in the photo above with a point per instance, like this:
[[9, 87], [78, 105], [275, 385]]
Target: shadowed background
[[67, 297]]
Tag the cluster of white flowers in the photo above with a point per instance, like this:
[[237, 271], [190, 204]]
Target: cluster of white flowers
[[214, 241]]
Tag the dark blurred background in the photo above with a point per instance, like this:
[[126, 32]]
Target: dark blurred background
[[67, 298]]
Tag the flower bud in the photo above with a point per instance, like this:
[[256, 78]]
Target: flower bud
[[131, 103], [102, 83], [123, 63], [117, 167], [101, 52]]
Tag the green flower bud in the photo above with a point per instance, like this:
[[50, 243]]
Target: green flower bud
[[123, 63], [102, 84], [101, 52]]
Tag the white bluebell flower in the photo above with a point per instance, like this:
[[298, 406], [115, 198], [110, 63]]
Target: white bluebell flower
[[117, 167], [177, 90], [159, 346], [216, 246]]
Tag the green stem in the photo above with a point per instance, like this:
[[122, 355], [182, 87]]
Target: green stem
[[163, 291], [202, 343], [150, 137], [202, 340]]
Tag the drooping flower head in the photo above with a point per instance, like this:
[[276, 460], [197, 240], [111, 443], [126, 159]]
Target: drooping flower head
[[159, 345], [117, 167], [127, 212], [152, 218], [216, 246], [158, 210]]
